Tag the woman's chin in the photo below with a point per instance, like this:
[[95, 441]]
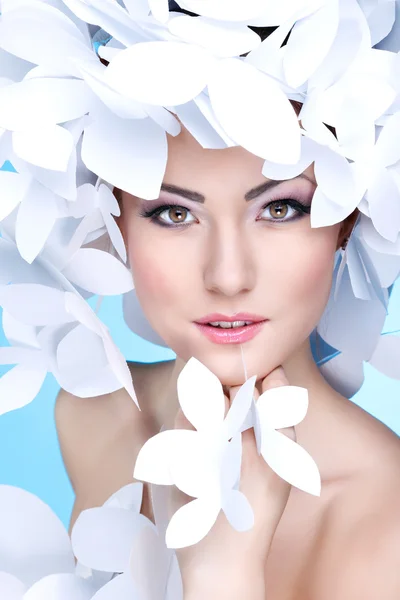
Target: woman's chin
[[232, 370]]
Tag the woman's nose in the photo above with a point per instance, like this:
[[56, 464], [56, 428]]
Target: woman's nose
[[230, 266]]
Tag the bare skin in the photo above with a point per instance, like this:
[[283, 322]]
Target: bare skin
[[322, 545], [236, 253]]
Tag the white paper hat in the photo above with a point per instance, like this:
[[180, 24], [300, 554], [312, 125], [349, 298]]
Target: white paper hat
[[65, 101]]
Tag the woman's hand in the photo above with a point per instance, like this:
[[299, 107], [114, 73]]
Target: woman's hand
[[227, 559]]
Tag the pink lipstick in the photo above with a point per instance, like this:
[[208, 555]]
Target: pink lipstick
[[216, 327]]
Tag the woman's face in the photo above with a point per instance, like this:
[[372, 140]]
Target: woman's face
[[240, 244]]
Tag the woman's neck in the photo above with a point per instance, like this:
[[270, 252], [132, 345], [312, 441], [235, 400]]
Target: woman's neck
[[335, 431]]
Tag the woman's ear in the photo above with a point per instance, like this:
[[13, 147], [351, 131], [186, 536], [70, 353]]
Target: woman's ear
[[346, 228]]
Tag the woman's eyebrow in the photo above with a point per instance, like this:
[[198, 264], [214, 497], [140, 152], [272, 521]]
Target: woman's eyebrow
[[271, 183], [251, 195]]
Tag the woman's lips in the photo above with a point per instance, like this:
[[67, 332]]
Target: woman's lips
[[236, 335]]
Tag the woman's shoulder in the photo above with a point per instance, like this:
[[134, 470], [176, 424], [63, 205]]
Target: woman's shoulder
[[88, 427]]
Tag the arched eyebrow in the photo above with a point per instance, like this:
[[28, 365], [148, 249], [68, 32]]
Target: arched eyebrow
[[251, 195]]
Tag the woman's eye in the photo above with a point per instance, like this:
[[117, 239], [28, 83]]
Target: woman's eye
[[174, 215], [283, 210]]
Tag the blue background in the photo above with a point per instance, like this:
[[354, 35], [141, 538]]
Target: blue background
[[30, 456]]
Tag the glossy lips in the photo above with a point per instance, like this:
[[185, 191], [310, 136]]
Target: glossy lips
[[235, 335]]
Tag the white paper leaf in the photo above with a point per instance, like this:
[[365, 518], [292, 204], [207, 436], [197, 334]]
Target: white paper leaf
[[238, 511], [102, 537], [11, 587], [14, 187], [139, 165], [60, 587], [50, 149], [153, 459], [36, 217], [129, 497], [290, 461], [36, 103], [283, 406], [386, 356], [268, 127], [201, 396], [98, 272], [316, 31], [29, 33], [179, 72], [19, 386], [191, 523], [46, 305], [228, 39], [119, 588], [239, 408], [33, 541]]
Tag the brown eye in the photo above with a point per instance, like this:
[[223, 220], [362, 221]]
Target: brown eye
[[177, 214], [279, 210]]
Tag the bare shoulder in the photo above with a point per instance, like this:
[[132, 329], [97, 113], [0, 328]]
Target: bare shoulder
[[90, 428], [361, 554]]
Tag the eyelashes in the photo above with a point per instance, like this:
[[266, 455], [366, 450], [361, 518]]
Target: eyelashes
[[154, 214]]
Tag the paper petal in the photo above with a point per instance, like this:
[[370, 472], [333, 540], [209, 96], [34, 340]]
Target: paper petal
[[175, 585], [325, 212], [30, 32], [152, 462], [60, 587], [179, 72], [345, 373], [191, 523], [45, 102], [36, 217], [194, 462], [19, 386], [11, 587], [149, 563], [232, 10], [238, 511], [33, 541], [201, 396], [309, 150], [386, 356], [291, 461], [119, 588], [129, 497], [380, 20], [98, 272], [50, 149], [139, 165], [227, 40], [387, 150], [384, 198], [159, 10], [46, 306], [334, 176], [102, 537], [268, 127], [283, 406], [316, 31], [14, 187], [239, 408], [199, 127]]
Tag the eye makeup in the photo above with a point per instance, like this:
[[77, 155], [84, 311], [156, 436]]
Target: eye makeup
[[154, 214]]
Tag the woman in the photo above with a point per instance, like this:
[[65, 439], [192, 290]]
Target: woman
[[224, 239], [199, 104]]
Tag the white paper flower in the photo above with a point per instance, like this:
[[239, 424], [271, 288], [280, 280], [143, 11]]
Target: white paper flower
[[278, 408], [116, 538], [36, 562], [203, 463]]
